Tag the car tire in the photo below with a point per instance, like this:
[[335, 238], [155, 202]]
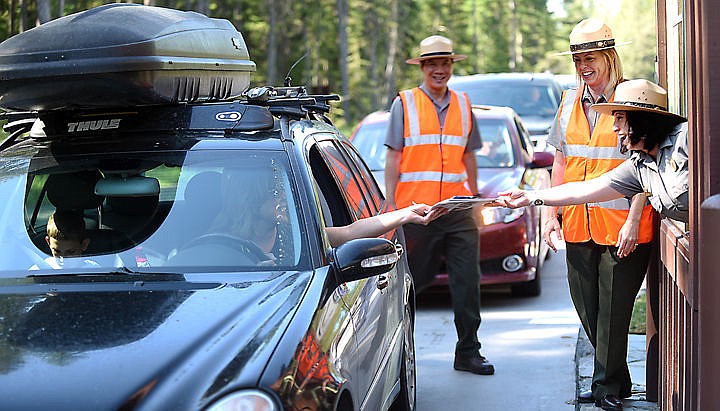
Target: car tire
[[406, 400]]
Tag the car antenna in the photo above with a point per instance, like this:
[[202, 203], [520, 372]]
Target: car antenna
[[288, 79]]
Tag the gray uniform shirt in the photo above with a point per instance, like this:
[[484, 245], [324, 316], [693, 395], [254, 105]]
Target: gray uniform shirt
[[394, 137], [665, 180]]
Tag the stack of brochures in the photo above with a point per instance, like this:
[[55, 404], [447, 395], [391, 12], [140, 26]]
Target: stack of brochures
[[464, 202]]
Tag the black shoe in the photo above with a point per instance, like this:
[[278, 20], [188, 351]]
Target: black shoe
[[475, 365], [586, 397], [609, 403]]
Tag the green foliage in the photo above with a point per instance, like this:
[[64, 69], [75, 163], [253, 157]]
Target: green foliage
[[496, 35], [638, 321]]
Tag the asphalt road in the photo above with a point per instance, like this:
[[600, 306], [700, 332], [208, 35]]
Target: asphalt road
[[531, 342]]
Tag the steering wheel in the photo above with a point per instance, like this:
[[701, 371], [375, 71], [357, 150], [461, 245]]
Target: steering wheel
[[247, 247]]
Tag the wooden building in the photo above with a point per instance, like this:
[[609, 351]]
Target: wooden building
[[684, 300]]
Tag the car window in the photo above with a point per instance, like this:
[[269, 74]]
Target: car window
[[496, 150], [160, 211], [374, 194], [334, 207], [370, 141], [525, 99], [345, 176], [525, 141]]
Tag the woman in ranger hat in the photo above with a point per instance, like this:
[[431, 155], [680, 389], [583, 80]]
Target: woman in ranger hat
[[607, 243], [657, 169]]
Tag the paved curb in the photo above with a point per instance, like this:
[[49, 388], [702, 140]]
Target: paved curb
[[636, 361]]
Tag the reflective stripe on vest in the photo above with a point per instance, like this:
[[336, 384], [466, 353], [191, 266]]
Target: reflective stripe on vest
[[431, 164], [586, 157]]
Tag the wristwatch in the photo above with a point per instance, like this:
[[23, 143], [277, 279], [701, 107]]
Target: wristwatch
[[536, 201]]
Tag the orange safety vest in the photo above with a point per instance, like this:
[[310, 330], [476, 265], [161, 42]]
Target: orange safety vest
[[431, 163], [586, 157]]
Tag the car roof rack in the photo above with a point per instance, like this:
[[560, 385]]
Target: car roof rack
[[255, 111], [293, 101]]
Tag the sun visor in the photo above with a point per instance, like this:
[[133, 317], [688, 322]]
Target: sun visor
[[121, 55]]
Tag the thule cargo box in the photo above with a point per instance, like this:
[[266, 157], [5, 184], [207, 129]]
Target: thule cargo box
[[121, 55]]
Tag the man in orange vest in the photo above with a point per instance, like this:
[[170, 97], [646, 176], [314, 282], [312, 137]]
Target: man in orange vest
[[431, 142]]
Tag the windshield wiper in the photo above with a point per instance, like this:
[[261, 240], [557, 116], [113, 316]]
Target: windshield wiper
[[116, 271]]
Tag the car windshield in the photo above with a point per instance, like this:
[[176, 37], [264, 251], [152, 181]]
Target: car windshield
[[525, 99], [369, 139], [496, 150], [182, 211]]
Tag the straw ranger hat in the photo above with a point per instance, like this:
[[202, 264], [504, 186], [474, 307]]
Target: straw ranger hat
[[638, 95], [434, 47], [591, 35]]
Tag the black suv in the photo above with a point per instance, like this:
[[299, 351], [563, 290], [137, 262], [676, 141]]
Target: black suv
[[200, 275]]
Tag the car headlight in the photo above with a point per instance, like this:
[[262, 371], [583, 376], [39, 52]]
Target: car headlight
[[245, 400], [495, 215]]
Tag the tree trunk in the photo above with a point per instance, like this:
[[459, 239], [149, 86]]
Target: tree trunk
[[393, 37], [23, 17], [342, 11], [43, 12], [373, 32], [203, 7], [272, 50], [475, 38], [11, 18], [513, 36]]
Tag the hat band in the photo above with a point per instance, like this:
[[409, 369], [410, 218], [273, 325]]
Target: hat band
[[437, 53], [642, 105], [593, 45]]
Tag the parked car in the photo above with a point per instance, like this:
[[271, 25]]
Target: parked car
[[535, 97], [511, 247], [567, 81], [168, 307]]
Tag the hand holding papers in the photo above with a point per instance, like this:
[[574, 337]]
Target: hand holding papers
[[464, 202]]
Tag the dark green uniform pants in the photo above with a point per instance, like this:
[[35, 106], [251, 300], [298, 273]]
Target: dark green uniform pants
[[453, 237], [603, 288]]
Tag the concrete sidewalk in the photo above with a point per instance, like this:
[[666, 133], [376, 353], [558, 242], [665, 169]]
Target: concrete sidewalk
[[636, 362]]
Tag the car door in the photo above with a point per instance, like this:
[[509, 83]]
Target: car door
[[376, 303]]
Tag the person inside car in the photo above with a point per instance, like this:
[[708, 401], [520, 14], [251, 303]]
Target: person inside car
[[67, 239], [260, 213]]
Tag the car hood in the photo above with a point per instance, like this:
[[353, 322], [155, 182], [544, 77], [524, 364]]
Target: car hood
[[491, 181], [108, 345]]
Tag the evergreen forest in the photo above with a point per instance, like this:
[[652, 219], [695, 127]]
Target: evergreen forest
[[358, 48]]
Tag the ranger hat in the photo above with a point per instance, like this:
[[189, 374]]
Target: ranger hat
[[434, 47], [591, 35], [637, 95]]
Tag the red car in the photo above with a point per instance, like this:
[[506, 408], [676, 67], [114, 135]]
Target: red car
[[511, 246]]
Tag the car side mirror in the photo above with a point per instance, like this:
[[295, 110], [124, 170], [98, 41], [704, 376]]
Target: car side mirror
[[542, 159], [363, 258]]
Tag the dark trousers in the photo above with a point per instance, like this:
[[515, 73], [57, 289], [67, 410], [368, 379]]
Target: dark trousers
[[603, 288], [455, 237]]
